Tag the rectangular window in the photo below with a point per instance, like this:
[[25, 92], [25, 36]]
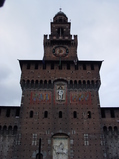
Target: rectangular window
[[112, 113], [18, 141], [36, 66], [52, 66], [76, 67], [103, 113], [44, 66], [8, 113], [60, 67], [102, 141], [84, 66], [17, 112], [68, 66], [92, 67], [86, 142], [34, 139], [28, 66]]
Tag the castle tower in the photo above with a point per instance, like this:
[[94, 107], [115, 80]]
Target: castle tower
[[60, 101]]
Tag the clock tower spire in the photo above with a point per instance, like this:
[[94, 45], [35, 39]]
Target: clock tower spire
[[60, 42]]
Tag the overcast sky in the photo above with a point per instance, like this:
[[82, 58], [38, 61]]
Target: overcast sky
[[24, 22]]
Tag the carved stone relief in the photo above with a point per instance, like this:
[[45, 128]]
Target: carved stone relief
[[60, 147]]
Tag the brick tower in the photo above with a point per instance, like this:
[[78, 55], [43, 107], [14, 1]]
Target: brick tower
[[60, 115], [60, 101]]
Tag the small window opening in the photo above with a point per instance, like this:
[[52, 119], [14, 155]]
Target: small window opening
[[110, 128], [41, 82], [31, 114], [8, 113], [28, 66], [92, 67], [60, 31], [115, 129], [112, 113], [10, 130], [46, 114], [75, 83], [84, 66], [71, 83], [44, 66], [36, 82], [45, 82], [60, 114], [88, 82], [52, 66], [60, 67], [103, 113], [36, 66], [32, 83], [105, 129], [49, 82], [89, 114], [79, 82], [4, 129], [17, 112], [75, 114], [92, 82], [15, 130], [84, 82], [68, 66]]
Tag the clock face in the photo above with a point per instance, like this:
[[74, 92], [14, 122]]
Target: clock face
[[60, 51]]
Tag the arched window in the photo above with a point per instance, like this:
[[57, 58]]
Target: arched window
[[46, 114], [79, 82], [31, 114], [84, 82], [49, 82], [89, 114], [88, 82], [105, 129], [27, 83], [41, 82], [92, 82], [60, 114], [110, 128], [75, 83], [0, 129], [75, 114], [32, 83], [115, 128], [36, 83], [5, 130], [10, 130], [15, 130], [23, 82]]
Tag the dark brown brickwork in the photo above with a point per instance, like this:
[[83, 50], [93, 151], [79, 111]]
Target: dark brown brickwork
[[59, 105]]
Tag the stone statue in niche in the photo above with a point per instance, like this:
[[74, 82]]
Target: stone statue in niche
[[60, 93], [60, 151]]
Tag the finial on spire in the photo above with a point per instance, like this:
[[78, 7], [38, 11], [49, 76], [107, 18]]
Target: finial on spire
[[60, 9]]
